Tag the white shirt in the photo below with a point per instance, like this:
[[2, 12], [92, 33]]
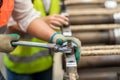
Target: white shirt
[[24, 13]]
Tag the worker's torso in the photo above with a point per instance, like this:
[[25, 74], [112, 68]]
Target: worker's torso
[[26, 60]]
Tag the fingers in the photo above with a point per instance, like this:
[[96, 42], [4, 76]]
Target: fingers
[[64, 20], [54, 27], [57, 20]]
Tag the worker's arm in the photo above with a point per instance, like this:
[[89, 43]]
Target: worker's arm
[[40, 29], [29, 20]]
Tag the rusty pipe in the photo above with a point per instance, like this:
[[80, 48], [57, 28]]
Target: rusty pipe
[[69, 2], [96, 37], [108, 73], [99, 61], [98, 76], [99, 56], [77, 20], [100, 50], [89, 4], [87, 12], [94, 27], [94, 16]]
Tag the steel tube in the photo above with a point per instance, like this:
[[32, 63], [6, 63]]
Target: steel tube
[[93, 37], [108, 73], [99, 61], [68, 2], [91, 19], [94, 27], [88, 4], [92, 16], [99, 56], [87, 12], [98, 76]]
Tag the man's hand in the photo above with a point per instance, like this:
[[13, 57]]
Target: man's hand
[[76, 42], [60, 39], [5, 42], [56, 21]]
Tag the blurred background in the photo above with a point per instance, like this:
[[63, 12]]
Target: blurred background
[[97, 24]]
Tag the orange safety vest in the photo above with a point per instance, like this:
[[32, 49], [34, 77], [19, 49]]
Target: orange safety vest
[[5, 11]]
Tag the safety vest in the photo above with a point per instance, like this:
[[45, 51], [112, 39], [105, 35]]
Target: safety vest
[[5, 11], [54, 8], [27, 60]]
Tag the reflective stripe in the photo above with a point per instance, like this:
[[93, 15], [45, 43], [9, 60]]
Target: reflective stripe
[[27, 59]]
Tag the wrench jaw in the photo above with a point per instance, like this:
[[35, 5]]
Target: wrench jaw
[[70, 64]]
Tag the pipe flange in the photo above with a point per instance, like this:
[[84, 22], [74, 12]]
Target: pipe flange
[[116, 17], [117, 35], [110, 4]]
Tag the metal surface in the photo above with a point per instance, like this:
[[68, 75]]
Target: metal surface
[[98, 36], [99, 61], [94, 27], [94, 16], [70, 64], [43, 45], [116, 17], [103, 73], [33, 44], [117, 35], [83, 4]]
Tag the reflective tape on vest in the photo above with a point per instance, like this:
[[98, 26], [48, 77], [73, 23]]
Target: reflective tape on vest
[[27, 59]]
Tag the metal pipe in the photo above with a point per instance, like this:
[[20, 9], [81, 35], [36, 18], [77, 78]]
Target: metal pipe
[[87, 12], [99, 61], [98, 76], [94, 37], [68, 2], [32, 44], [94, 16], [77, 20], [99, 37], [91, 4], [108, 73], [94, 27], [100, 50], [99, 56]]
